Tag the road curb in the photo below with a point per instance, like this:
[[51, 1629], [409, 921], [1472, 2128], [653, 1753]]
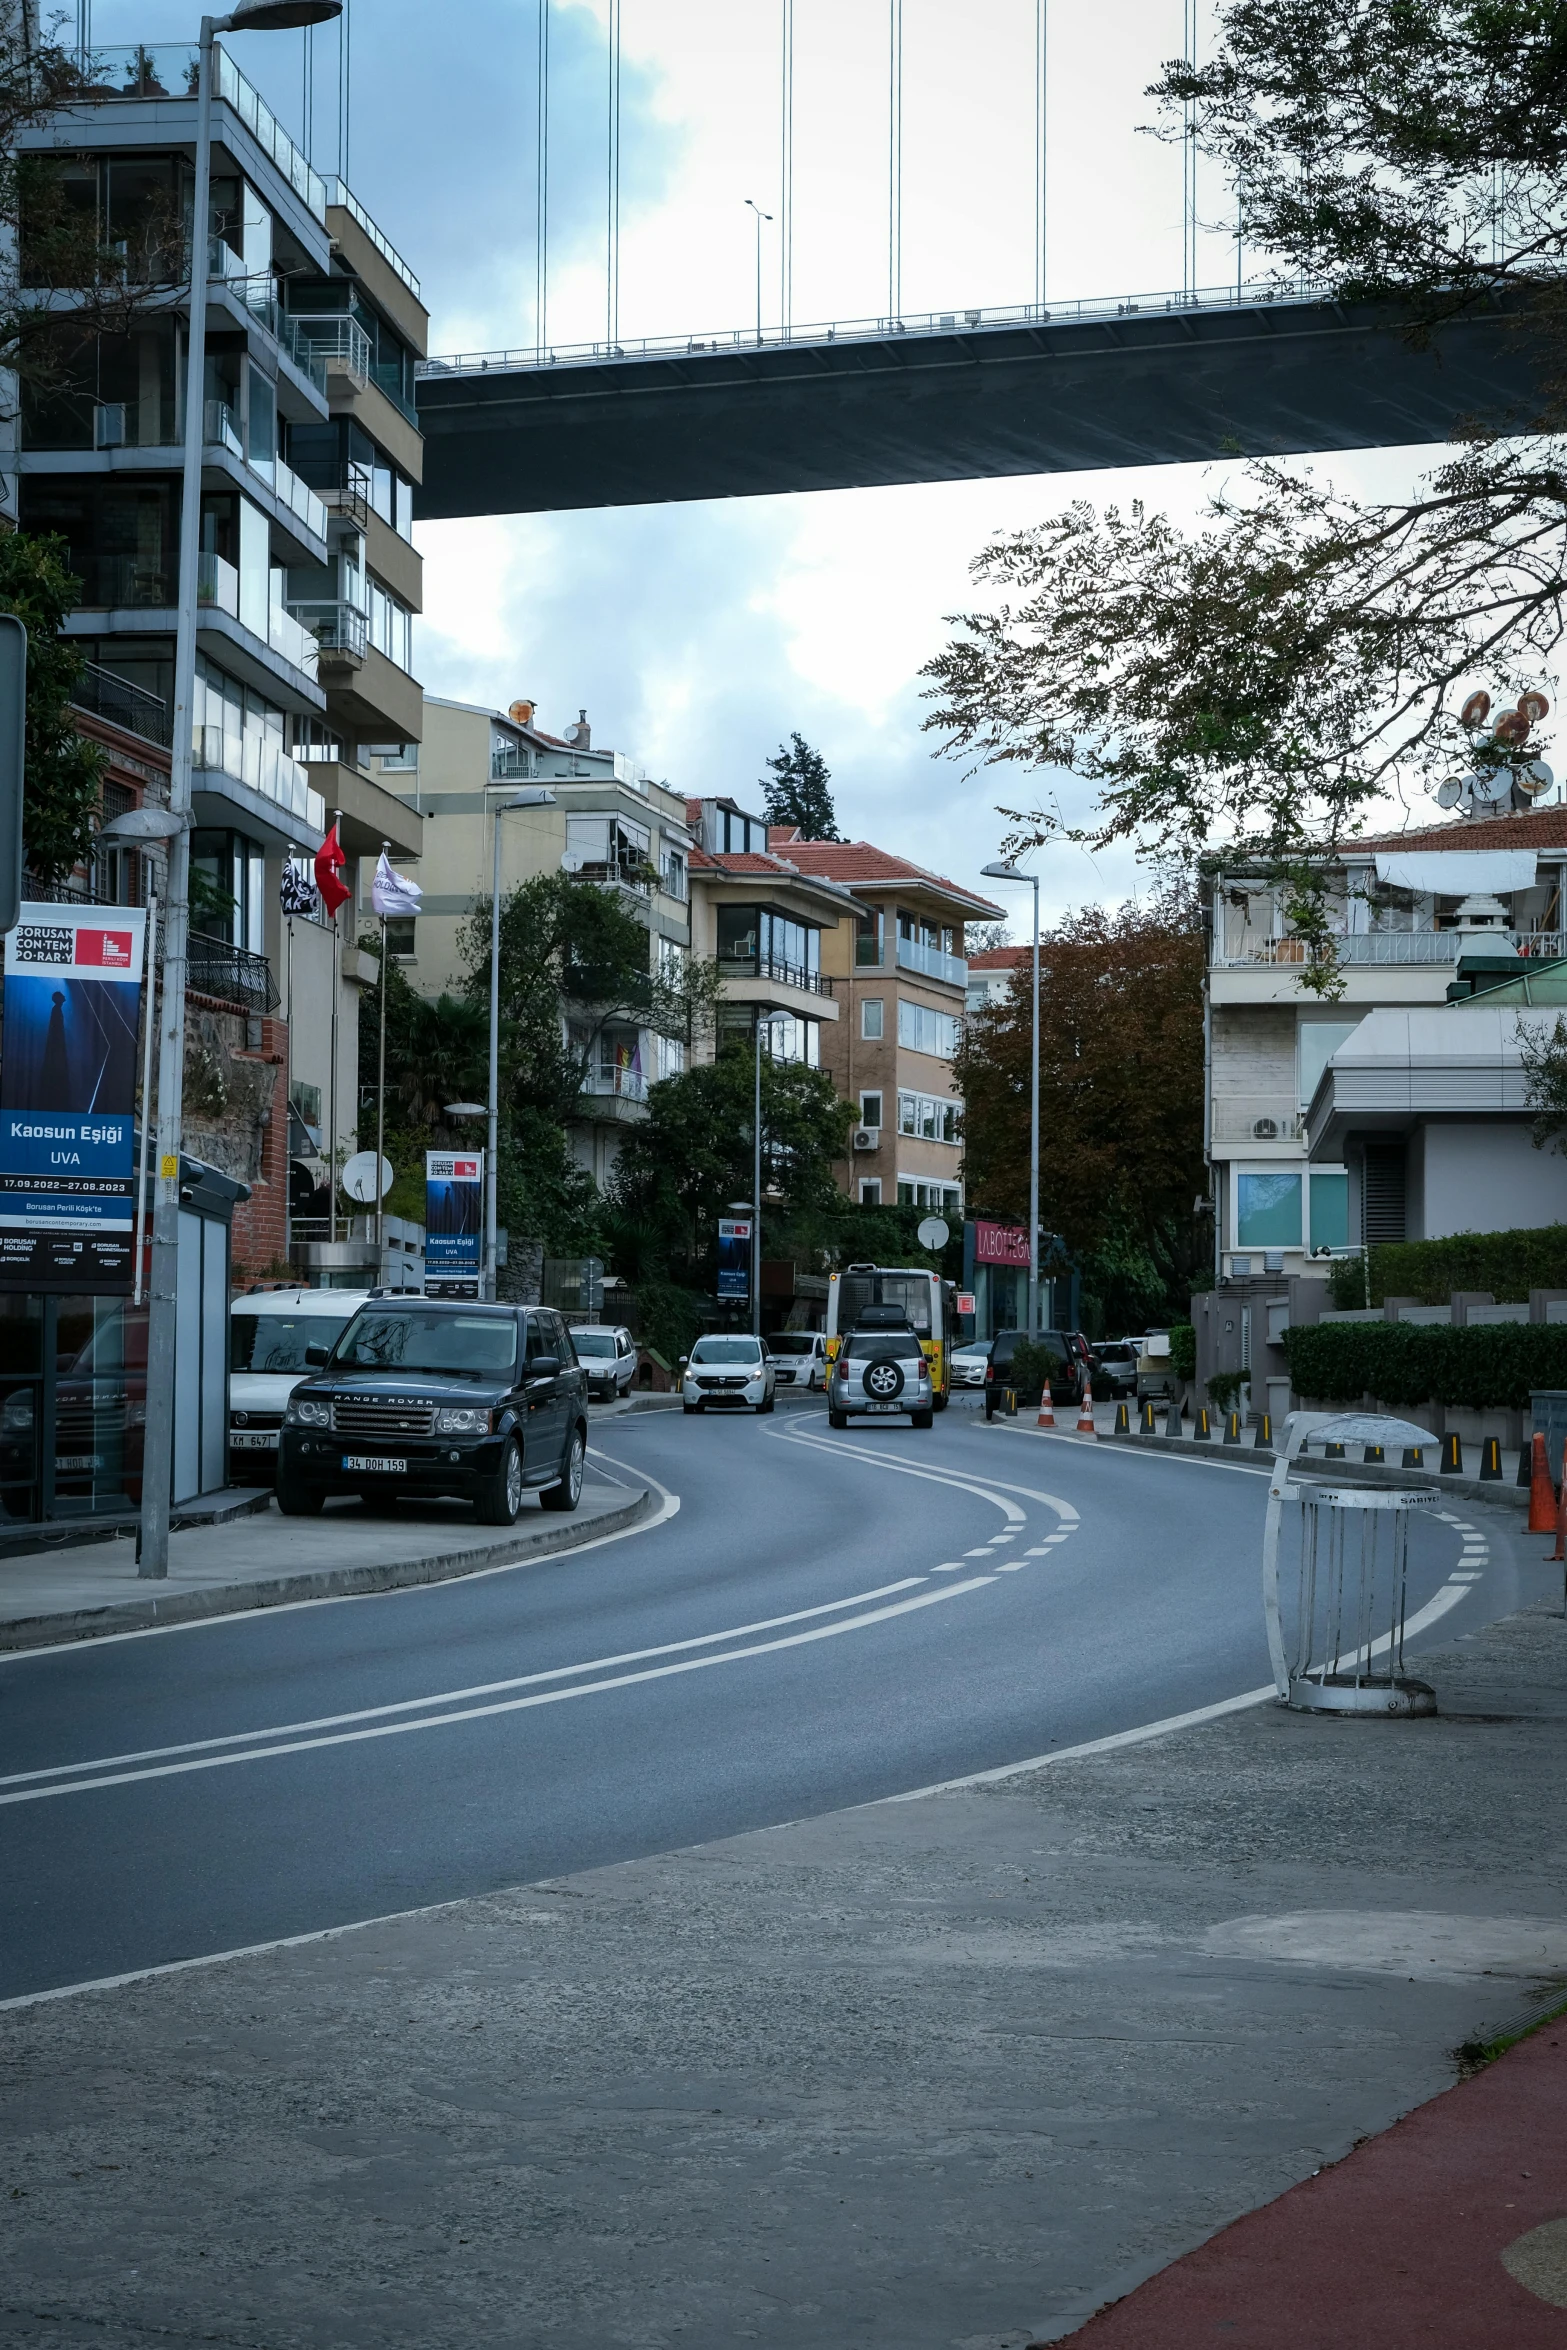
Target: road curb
[[234, 1599], [1500, 1491]]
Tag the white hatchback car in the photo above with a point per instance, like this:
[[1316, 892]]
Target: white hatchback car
[[608, 1354], [269, 1331], [801, 1357], [728, 1368]]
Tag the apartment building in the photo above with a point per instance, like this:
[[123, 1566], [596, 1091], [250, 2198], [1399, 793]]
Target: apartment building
[[609, 824], [990, 975], [899, 980], [766, 925], [307, 580]]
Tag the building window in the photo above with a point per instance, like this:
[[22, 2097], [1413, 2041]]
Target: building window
[[672, 873], [868, 937], [922, 1029], [870, 1191], [1267, 1211], [395, 758], [933, 1117], [870, 1109], [795, 1040], [917, 1191], [1329, 1208], [400, 937], [870, 1018], [669, 1056], [1318, 1041]]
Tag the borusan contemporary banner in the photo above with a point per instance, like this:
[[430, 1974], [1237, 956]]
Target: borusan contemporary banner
[[453, 1222], [73, 981]]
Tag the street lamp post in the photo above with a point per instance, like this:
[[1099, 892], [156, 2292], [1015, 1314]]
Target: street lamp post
[[538, 798], [1001, 871], [760, 217], [774, 1021], [152, 1547]]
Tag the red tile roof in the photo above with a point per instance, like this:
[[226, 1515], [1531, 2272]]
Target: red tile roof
[[999, 959], [1538, 828], [738, 861], [852, 862]]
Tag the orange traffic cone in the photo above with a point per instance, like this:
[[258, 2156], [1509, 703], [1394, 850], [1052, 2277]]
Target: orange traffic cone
[[1542, 1501], [1085, 1413], [1047, 1410]]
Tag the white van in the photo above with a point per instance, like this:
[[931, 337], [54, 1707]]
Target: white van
[[268, 1333]]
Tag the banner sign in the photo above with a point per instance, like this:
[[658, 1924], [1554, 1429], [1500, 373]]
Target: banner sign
[[453, 1222], [734, 1258], [1001, 1244], [73, 977]]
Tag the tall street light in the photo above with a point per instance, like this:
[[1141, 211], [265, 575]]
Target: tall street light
[[152, 1549], [1000, 871], [760, 217], [538, 797], [774, 1021]]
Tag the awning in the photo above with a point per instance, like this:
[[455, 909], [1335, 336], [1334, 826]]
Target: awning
[[1458, 873]]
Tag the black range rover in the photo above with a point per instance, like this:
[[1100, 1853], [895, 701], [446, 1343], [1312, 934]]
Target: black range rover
[[437, 1397]]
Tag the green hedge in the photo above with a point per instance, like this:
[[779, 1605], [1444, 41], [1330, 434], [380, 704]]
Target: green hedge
[[1491, 1367], [1183, 1350], [1508, 1264]]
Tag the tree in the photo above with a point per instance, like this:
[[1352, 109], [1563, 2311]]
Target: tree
[[63, 775], [1271, 673], [1120, 1098], [986, 938], [798, 791]]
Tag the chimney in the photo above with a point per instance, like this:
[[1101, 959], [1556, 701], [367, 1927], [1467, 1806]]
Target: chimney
[[580, 736], [522, 712]]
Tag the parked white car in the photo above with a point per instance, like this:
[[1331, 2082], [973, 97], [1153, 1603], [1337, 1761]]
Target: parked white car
[[968, 1363], [800, 1357], [269, 1330], [728, 1368], [608, 1354]]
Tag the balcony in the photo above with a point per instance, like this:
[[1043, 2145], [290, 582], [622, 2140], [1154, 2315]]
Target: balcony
[[261, 764], [1360, 949], [339, 629], [1256, 1119], [169, 71], [217, 590], [119, 703], [232, 974], [617, 873], [337, 342], [932, 962], [784, 974], [338, 193], [626, 1085], [511, 766]]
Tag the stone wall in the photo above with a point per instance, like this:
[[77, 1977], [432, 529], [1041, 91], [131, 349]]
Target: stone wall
[[236, 1096]]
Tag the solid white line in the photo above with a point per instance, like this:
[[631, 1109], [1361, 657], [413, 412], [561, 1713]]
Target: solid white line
[[1447, 1597], [409, 1705], [511, 1705], [976, 1481], [1129, 1452], [668, 1508]]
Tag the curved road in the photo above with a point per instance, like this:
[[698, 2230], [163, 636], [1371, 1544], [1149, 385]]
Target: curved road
[[816, 1620]]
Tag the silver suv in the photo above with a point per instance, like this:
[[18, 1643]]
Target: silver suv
[[879, 1372]]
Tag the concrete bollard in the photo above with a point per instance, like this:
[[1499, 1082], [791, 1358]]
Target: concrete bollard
[[1203, 1432], [1232, 1428], [1172, 1420], [1148, 1425], [1452, 1457], [1490, 1461], [1123, 1422]]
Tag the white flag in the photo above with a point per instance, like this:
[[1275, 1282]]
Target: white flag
[[392, 892]]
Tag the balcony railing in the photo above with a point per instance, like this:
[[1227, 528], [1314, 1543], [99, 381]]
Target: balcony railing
[[169, 71], [511, 766], [336, 340], [915, 955], [217, 585], [258, 761], [1255, 1118], [784, 974], [612, 873], [627, 1085], [119, 703], [337, 627], [337, 193], [1393, 947], [233, 974]]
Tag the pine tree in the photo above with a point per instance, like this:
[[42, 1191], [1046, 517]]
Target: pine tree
[[797, 792]]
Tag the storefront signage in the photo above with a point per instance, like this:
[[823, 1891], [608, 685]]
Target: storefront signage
[[73, 977], [1001, 1244], [453, 1222], [734, 1258]]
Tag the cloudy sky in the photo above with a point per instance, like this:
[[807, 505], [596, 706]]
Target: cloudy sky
[[697, 636]]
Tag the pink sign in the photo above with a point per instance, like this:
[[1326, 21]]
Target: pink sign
[[1000, 1244]]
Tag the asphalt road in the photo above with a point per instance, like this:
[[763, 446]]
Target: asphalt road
[[817, 1621]]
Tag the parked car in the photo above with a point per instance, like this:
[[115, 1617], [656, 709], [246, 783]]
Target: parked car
[[880, 1372], [436, 1396], [800, 1357], [1115, 1368], [1069, 1367], [269, 1331], [608, 1355], [1155, 1370], [968, 1363], [728, 1369]]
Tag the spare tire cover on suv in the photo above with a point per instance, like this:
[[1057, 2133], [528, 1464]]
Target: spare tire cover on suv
[[884, 1379]]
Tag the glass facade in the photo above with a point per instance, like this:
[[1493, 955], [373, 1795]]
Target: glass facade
[[1329, 1209], [73, 1406], [123, 535], [1268, 1211]]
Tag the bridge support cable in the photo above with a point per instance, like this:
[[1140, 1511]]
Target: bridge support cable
[[786, 170], [1041, 141], [541, 191], [612, 180], [1189, 158], [894, 161], [345, 49], [307, 93]]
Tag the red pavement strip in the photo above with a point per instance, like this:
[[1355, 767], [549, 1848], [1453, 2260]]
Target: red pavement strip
[[1410, 2239]]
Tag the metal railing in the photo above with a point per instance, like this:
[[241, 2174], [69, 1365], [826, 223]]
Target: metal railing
[[233, 974], [119, 703], [337, 627], [627, 1085], [611, 873], [1256, 1117], [258, 761], [784, 974], [337, 193], [170, 71], [511, 766], [934, 962], [336, 340], [1393, 947], [1257, 294]]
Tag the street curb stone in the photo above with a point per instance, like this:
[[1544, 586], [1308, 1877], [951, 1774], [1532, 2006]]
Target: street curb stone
[[231, 1599], [1503, 1492]]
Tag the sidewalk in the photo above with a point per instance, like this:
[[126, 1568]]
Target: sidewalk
[[950, 2073], [265, 1560]]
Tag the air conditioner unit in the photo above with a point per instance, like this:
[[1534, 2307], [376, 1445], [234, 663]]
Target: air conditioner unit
[[1266, 1129], [867, 1138]]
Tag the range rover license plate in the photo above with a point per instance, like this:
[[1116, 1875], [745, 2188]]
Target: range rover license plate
[[253, 1439], [356, 1463]]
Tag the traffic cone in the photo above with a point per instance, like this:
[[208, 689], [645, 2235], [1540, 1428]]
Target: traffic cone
[[1085, 1411], [1490, 1461], [1453, 1457], [1047, 1410], [1542, 1498]]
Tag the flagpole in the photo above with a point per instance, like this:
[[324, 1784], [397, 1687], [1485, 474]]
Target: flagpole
[[380, 1107]]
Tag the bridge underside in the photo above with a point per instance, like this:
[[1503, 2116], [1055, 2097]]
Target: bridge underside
[[1077, 395]]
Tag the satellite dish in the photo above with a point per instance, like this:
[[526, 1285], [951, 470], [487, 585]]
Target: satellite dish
[[1492, 789], [1534, 779], [933, 1232], [1534, 705], [359, 1178], [1475, 711], [1449, 794], [571, 862]]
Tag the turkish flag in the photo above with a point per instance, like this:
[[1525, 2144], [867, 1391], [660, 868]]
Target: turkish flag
[[329, 864]]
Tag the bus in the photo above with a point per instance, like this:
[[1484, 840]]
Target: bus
[[922, 1297]]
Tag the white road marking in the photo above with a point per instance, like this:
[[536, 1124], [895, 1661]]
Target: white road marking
[[408, 1705], [668, 1508], [983, 1552], [949, 1567], [510, 1705], [976, 1481], [1457, 1577], [1009, 1566]]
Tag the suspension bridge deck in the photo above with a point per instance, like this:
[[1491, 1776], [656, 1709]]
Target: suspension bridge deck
[[959, 397]]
